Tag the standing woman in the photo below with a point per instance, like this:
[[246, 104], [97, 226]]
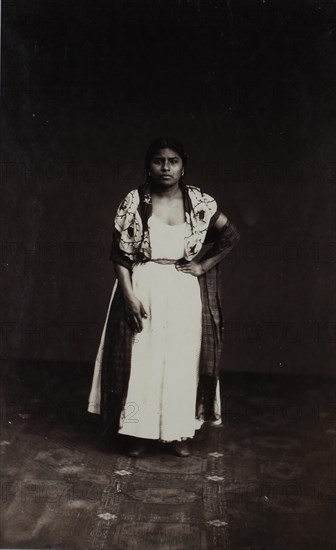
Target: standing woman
[[157, 367]]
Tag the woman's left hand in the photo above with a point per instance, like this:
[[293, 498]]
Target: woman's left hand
[[193, 268]]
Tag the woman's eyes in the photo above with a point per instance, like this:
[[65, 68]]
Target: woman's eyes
[[159, 161]]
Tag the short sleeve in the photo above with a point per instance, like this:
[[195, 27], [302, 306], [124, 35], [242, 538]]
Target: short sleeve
[[126, 211], [123, 223], [210, 202], [213, 209]]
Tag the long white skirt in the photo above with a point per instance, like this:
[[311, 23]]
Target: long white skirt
[[161, 396]]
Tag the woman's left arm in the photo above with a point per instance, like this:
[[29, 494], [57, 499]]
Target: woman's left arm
[[227, 238]]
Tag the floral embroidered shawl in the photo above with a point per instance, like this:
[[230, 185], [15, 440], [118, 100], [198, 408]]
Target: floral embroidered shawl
[[131, 222]]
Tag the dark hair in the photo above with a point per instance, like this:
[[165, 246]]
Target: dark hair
[[165, 143]]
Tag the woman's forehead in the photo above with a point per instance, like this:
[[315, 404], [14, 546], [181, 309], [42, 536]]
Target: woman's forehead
[[166, 153]]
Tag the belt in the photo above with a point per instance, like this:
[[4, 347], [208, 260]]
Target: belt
[[164, 261]]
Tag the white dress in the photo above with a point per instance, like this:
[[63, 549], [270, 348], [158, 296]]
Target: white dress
[[161, 396], [163, 381]]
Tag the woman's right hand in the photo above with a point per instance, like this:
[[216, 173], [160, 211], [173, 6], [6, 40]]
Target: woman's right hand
[[135, 312]]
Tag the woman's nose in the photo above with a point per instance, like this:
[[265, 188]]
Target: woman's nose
[[165, 165]]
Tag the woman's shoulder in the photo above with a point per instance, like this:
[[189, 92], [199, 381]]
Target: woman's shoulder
[[197, 194], [133, 193], [197, 190], [130, 200]]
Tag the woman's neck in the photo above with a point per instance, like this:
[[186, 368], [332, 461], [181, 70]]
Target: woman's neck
[[166, 192]]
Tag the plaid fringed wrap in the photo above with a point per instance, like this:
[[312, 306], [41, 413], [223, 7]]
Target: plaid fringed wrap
[[116, 359], [212, 322]]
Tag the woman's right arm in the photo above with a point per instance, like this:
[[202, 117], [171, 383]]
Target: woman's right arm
[[134, 309]]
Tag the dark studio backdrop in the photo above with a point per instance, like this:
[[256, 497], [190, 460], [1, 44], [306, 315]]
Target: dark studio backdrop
[[248, 87]]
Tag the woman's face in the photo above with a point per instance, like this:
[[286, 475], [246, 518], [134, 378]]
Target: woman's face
[[166, 168]]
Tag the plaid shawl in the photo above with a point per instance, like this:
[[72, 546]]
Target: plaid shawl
[[130, 243]]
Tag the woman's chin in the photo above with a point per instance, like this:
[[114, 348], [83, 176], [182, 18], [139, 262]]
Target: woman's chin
[[166, 182]]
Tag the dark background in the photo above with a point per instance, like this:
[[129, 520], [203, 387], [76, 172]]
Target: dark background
[[248, 86]]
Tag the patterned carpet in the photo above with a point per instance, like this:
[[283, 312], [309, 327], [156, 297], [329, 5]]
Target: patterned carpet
[[263, 480]]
